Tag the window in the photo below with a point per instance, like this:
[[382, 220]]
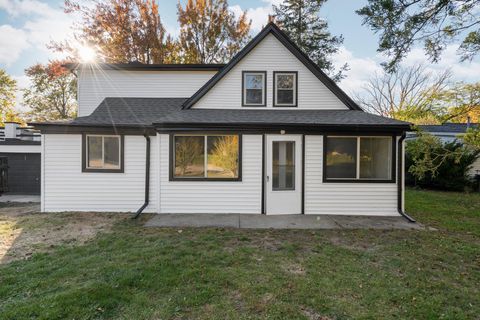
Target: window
[[206, 157], [283, 165], [102, 153], [285, 89], [254, 93], [341, 158], [359, 159]]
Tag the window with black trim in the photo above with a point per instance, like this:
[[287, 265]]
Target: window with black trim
[[102, 153], [206, 157], [350, 158], [285, 89], [254, 88]]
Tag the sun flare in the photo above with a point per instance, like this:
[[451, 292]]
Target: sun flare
[[87, 54]]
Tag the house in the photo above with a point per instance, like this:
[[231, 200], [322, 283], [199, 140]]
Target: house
[[21, 149], [449, 132], [267, 133]]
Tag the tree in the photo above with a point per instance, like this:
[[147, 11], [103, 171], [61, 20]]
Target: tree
[[434, 23], [210, 32], [405, 94], [8, 87], [121, 31], [52, 95], [300, 20], [459, 103], [472, 138], [431, 163]]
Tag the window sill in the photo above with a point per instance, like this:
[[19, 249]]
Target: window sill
[[103, 170], [208, 179], [286, 106], [357, 181]]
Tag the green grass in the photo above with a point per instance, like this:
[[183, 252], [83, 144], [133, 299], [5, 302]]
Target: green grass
[[138, 273]]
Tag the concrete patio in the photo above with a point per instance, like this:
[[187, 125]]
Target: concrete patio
[[257, 221]]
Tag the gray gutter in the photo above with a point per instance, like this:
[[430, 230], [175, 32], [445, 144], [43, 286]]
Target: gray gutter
[[147, 177], [400, 180]]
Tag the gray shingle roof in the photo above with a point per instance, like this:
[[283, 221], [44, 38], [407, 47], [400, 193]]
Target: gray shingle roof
[[150, 111], [448, 127], [131, 111]]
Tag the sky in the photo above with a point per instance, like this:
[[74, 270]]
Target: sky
[[27, 26]]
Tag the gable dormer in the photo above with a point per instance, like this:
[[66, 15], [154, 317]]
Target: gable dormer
[[271, 72]]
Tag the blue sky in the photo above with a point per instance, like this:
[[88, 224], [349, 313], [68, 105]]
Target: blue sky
[[26, 26]]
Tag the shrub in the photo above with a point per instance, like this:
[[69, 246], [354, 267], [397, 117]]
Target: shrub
[[436, 165]]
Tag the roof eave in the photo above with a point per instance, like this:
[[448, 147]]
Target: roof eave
[[46, 128], [297, 127], [146, 67]]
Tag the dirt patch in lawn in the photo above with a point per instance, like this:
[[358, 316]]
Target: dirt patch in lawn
[[24, 231]]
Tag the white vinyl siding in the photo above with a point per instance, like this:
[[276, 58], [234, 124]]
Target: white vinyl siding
[[270, 55], [66, 188], [20, 148], [214, 196], [343, 198], [475, 169], [96, 85]]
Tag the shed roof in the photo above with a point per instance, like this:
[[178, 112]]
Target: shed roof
[[449, 127]]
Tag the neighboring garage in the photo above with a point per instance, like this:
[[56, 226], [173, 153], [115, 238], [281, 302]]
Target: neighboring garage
[[21, 147]]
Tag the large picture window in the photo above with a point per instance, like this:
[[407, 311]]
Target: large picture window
[[206, 157], [102, 153], [359, 159], [254, 92], [285, 89]]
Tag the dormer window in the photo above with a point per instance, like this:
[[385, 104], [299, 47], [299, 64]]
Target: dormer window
[[254, 88], [285, 89]]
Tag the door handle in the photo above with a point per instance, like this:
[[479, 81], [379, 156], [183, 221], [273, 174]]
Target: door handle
[[268, 178]]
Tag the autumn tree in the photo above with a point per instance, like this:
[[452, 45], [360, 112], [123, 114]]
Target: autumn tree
[[301, 21], [430, 23], [8, 87], [52, 95], [405, 94], [459, 103], [121, 31], [210, 32]]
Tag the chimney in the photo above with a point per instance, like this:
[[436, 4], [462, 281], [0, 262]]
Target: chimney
[[11, 130], [271, 18]]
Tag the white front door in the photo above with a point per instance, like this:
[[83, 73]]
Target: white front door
[[283, 190]]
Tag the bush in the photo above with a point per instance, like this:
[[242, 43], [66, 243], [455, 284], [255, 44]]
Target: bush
[[435, 165]]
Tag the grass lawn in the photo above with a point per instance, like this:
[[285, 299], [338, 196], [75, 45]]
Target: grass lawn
[[130, 272]]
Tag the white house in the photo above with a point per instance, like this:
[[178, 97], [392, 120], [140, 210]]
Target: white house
[[268, 133]]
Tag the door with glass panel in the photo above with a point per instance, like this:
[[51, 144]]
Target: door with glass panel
[[283, 179]]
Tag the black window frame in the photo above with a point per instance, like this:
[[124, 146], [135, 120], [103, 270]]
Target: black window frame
[[85, 167], [295, 96], [264, 73], [171, 161], [393, 178]]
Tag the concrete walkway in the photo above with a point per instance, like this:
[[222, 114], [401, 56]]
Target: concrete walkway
[[19, 198], [258, 221]]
